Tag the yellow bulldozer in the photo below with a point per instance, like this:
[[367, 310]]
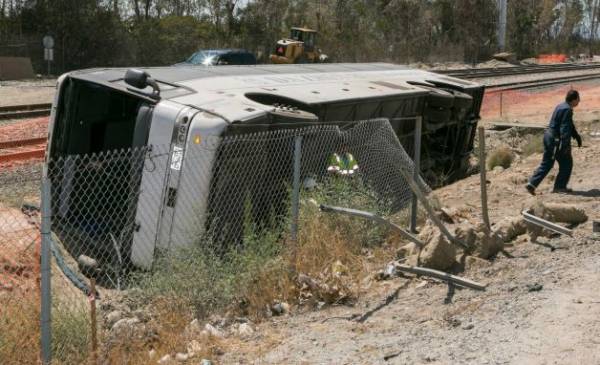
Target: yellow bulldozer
[[299, 48]]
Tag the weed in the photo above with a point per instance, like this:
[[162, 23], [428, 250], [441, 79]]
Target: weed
[[503, 156], [71, 333]]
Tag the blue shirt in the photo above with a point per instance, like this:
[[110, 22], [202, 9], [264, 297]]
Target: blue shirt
[[561, 122]]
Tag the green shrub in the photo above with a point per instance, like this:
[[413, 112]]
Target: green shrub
[[503, 156], [350, 192], [205, 280]]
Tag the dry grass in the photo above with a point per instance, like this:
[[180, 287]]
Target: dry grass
[[169, 337], [331, 249], [20, 328], [502, 156]]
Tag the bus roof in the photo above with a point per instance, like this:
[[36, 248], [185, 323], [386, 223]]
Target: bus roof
[[225, 90]]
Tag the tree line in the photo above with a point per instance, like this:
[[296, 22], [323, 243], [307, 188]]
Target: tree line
[[90, 33]]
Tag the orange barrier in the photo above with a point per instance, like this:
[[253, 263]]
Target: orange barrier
[[552, 58], [537, 104]]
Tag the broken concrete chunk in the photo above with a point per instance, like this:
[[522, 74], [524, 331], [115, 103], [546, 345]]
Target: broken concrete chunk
[[565, 213], [125, 327], [212, 331], [556, 212], [438, 253], [480, 244], [510, 228], [181, 357], [245, 330], [488, 245], [466, 233]]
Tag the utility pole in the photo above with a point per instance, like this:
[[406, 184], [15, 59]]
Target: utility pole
[[502, 4]]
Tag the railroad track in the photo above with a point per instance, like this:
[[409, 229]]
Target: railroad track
[[480, 73], [541, 82], [23, 149], [25, 111]]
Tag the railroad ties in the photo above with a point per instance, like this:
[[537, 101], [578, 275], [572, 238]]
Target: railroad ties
[[478, 73], [20, 148], [502, 73]]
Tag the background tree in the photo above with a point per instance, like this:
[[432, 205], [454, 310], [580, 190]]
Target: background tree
[[92, 33]]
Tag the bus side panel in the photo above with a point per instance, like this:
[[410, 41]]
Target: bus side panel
[[151, 196], [189, 219]]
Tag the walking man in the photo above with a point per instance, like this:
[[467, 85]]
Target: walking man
[[557, 146]]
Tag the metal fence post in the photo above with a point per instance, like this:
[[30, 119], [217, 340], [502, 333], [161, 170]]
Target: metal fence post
[[483, 182], [46, 298], [296, 187], [417, 171]]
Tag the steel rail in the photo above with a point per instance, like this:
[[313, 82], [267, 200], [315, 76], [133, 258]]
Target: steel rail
[[22, 142], [24, 111], [530, 84], [23, 155], [516, 70]]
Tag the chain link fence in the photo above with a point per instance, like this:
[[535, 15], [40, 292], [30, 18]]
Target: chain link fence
[[198, 226], [19, 264]]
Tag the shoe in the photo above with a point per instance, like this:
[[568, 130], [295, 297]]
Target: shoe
[[530, 189], [562, 190]]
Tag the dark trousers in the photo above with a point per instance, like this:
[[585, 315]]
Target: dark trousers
[[562, 156]]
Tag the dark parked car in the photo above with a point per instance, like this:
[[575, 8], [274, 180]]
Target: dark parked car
[[213, 57]]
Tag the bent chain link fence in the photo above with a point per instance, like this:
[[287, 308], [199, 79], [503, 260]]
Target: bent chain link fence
[[124, 217]]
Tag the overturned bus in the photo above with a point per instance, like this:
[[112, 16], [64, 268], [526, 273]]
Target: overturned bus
[[168, 124]]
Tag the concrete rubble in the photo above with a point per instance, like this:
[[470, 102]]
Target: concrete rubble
[[560, 213], [556, 213], [438, 253]]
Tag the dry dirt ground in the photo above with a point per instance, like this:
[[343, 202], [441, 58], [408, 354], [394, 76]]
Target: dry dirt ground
[[542, 304]]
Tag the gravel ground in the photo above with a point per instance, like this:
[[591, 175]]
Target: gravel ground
[[514, 322], [23, 128], [20, 182], [27, 92]]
